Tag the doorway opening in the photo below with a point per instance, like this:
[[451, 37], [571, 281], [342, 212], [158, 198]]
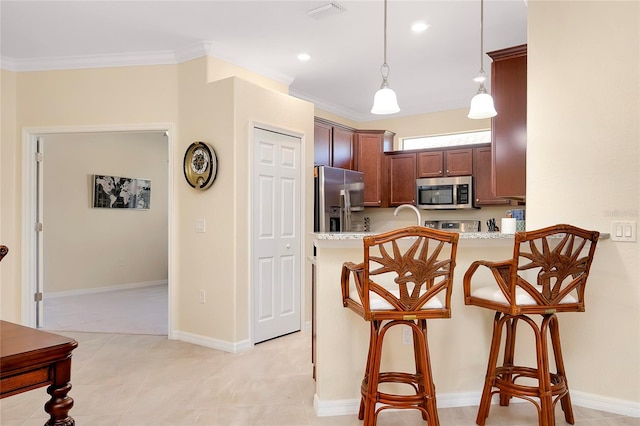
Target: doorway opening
[[79, 237]]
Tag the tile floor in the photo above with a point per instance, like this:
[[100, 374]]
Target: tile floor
[[137, 380]]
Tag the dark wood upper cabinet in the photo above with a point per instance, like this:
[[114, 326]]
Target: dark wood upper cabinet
[[402, 178], [509, 127], [446, 162], [370, 146], [322, 144], [483, 193], [430, 164], [333, 145], [342, 149]]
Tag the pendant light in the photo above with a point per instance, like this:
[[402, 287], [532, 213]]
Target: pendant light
[[482, 103], [385, 101]]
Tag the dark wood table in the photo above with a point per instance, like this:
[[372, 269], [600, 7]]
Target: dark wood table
[[31, 359]]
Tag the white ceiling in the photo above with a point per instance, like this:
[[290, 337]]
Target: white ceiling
[[431, 71]]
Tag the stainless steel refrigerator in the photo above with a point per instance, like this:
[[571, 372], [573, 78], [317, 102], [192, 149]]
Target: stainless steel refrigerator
[[338, 193]]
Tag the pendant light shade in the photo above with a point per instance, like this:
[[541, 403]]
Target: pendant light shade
[[482, 102], [482, 105], [385, 100]]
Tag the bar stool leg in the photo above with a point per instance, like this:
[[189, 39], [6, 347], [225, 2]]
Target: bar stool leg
[[367, 371], [485, 399], [374, 374], [547, 417], [423, 368], [509, 350], [565, 401]]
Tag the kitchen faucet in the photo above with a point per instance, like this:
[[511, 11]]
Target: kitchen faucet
[[412, 207]]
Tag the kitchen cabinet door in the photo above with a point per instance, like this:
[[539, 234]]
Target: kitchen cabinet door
[[459, 162], [402, 178], [483, 191], [370, 146], [342, 148], [333, 145], [509, 127], [430, 164], [322, 144]]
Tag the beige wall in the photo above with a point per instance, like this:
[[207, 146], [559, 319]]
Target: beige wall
[[583, 163], [438, 123], [179, 95], [103, 247], [222, 113], [9, 198]]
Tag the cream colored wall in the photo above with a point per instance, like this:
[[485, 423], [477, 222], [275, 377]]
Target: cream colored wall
[[158, 94], [89, 97], [9, 198], [438, 123], [103, 247], [583, 165], [121, 95], [218, 69], [259, 106], [206, 259], [222, 113]]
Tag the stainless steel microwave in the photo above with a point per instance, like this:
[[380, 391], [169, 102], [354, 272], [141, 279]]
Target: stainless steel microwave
[[445, 193]]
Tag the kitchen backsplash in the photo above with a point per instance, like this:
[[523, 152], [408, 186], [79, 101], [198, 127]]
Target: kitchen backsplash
[[382, 219]]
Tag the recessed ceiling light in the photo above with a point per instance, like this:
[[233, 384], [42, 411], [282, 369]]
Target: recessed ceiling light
[[304, 57], [419, 27]]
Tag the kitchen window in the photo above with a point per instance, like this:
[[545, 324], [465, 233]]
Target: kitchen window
[[446, 141]]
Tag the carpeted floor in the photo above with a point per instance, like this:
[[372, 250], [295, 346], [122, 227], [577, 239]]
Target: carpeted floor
[[141, 310]]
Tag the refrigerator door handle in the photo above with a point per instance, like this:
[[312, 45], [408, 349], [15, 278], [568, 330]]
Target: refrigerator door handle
[[347, 211]]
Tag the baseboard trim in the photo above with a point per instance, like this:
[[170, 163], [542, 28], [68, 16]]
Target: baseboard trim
[[345, 407], [221, 345], [104, 289], [605, 403]]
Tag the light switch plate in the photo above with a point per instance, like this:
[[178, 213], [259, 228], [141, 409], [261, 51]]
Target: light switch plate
[[623, 231], [201, 226]]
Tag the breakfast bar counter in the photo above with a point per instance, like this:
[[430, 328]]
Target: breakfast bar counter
[[459, 345]]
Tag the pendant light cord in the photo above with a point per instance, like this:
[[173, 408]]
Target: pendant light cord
[[385, 33], [384, 69], [481, 35]]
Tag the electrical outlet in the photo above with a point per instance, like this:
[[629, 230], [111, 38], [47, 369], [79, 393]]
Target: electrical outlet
[[407, 335], [202, 297]]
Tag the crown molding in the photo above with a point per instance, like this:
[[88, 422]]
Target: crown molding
[[93, 61], [167, 57], [7, 64], [332, 108]]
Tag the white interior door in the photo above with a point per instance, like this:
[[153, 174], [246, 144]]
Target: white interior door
[[39, 228], [276, 239]]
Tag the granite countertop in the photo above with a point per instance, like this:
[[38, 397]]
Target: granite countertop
[[360, 235]]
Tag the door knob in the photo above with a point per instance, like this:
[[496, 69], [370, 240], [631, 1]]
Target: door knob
[[288, 246]]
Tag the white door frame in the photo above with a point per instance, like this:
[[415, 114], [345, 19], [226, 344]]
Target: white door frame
[[303, 236], [29, 185]]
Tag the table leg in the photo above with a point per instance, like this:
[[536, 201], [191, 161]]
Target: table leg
[[60, 403]]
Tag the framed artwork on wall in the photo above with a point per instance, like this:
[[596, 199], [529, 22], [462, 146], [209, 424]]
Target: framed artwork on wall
[[113, 192]]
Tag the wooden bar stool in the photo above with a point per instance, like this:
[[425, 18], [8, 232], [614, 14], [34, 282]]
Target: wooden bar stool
[[547, 274], [405, 279]]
